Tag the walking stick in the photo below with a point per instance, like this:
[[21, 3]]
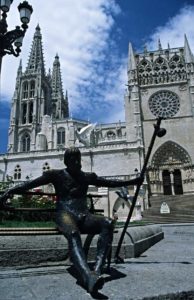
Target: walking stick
[[160, 132]]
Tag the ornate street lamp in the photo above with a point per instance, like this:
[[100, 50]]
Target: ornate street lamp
[[11, 41]]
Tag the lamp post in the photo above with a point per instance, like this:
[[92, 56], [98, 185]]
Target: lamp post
[[11, 41]]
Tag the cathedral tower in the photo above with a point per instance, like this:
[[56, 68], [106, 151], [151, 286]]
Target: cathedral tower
[[60, 108], [161, 83], [36, 94]]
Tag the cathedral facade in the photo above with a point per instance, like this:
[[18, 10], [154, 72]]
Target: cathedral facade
[[160, 83]]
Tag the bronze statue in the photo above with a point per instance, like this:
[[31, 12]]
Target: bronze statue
[[73, 216]]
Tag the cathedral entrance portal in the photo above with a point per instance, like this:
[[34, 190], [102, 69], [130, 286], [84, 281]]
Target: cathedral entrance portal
[[167, 168], [178, 187], [172, 182], [166, 182]]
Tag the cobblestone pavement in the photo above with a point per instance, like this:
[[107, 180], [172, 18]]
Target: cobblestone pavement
[[166, 268]]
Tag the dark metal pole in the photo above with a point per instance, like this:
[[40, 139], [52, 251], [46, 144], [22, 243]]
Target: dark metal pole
[[0, 65], [156, 130]]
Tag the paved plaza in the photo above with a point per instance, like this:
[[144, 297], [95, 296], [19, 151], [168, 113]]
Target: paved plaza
[[165, 269]]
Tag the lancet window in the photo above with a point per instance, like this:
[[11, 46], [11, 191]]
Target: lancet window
[[177, 68], [61, 136], [24, 113], [25, 90], [30, 112], [145, 72], [17, 173], [32, 89], [25, 142]]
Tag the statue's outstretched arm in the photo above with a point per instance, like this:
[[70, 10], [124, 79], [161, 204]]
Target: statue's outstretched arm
[[101, 181], [42, 180]]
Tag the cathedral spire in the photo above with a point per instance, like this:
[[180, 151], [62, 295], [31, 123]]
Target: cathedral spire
[[59, 103], [187, 52], [66, 95], [19, 72], [57, 89], [36, 59], [159, 45], [131, 59], [18, 77]]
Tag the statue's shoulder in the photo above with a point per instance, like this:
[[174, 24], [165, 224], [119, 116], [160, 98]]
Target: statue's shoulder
[[53, 172], [90, 175]]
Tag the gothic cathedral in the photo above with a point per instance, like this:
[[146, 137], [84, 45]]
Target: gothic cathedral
[[160, 83]]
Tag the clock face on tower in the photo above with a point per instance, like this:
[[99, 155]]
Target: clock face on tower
[[164, 104]]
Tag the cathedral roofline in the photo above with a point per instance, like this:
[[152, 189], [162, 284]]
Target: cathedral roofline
[[160, 52]]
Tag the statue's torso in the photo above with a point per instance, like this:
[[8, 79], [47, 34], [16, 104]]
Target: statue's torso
[[71, 190]]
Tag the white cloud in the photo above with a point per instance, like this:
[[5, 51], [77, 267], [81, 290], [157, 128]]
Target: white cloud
[[173, 31], [79, 31], [93, 71]]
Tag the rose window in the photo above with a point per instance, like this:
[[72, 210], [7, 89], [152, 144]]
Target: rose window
[[164, 104]]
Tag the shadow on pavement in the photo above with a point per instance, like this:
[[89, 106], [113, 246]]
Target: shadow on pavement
[[112, 274]]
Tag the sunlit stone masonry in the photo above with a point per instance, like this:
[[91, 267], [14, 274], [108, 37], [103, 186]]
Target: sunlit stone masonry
[[160, 82]]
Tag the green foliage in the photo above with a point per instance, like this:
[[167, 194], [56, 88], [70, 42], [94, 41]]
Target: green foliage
[[4, 185], [33, 201], [29, 201]]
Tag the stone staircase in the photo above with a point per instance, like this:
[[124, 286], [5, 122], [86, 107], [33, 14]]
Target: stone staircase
[[181, 209]]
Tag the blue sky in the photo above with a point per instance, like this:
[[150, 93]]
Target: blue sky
[[91, 38]]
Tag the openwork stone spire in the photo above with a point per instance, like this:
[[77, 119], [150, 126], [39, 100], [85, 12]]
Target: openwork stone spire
[[131, 58], [187, 52], [59, 103], [36, 59], [132, 67]]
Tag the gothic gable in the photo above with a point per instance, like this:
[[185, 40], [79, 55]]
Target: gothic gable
[[170, 153]]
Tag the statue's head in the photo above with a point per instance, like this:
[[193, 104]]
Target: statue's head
[[72, 159]]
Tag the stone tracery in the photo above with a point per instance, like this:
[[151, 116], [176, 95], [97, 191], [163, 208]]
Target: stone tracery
[[162, 69], [164, 104], [170, 153]]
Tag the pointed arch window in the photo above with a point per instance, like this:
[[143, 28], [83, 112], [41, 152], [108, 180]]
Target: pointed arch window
[[30, 112], [61, 136], [160, 64], [176, 62], [17, 173], [25, 90], [24, 113], [32, 89], [26, 143], [144, 66]]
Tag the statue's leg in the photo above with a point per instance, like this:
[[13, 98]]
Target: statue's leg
[[104, 227], [68, 226]]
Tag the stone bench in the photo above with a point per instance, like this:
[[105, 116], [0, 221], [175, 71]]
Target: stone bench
[[37, 245], [28, 247]]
